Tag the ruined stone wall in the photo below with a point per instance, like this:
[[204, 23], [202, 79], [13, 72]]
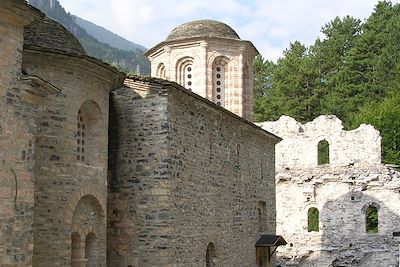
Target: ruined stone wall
[[185, 174], [340, 190], [61, 179], [300, 142], [340, 195], [221, 169]]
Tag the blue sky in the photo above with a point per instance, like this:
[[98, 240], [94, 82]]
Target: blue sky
[[270, 24]]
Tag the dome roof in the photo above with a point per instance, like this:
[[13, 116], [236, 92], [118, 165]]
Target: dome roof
[[50, 34], [202, 28]]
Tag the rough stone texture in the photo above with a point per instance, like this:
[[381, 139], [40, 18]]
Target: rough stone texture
[[340, 190], [62, 180], [202, 28], [299, 146], [187, 174], [177, 175], [46, 33], [16, 142], [194, 47]]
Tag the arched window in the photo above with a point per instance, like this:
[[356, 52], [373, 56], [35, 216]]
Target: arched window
[[161, 71], [323, 152], [371, 217], [219, 85], [185, 72], [219, 80], [313, 220], [88, 133], [210, 255], [81, 138], [91, 250]]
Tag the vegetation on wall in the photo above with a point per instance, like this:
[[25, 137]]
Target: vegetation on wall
[[313, 220], [353, 72], [371, 220]]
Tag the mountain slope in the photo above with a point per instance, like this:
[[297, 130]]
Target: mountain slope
[[128, 61], [106, 36]]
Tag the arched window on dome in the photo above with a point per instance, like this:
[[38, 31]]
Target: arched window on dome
[[185, 72], [161, 71], [219, 80]]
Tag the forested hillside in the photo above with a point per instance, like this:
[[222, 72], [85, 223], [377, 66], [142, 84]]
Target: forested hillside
[[126, 60], [353, 72], [106, 36]]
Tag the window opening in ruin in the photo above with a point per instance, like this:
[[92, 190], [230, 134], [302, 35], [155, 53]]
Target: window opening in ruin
[[313, 220], [262, 216], [371, 219], [219, 84], [80, 138], [210, 255], [90, 250], [323, 152]]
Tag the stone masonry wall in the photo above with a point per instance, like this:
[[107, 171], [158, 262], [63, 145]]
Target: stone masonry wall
[[139, 194], [16, 143], [185, 173], [340, 195], [221, 167], [61, 179], [299, 146], [340, 190]]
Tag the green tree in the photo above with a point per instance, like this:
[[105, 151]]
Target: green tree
[[291, 87], [385, 116]]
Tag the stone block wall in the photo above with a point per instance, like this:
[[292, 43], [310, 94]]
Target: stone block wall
[[185, 174], [221, 169], [341, 191], [299, 148], [139, 192], [341, 195], [70, 194], [16, 141]]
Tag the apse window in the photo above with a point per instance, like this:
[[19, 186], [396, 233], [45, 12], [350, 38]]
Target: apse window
[[313, 220], [371, 220], [80, 137], [323, 152]]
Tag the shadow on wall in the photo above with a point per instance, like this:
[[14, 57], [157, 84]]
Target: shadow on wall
[[349, 238]]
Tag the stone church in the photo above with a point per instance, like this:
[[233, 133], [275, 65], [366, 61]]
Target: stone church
[[99, 169]]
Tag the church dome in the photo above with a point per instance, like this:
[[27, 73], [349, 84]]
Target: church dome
[[47, 33], [202, 28]]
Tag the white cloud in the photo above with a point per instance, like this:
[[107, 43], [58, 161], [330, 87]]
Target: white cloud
[[270, 24]]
